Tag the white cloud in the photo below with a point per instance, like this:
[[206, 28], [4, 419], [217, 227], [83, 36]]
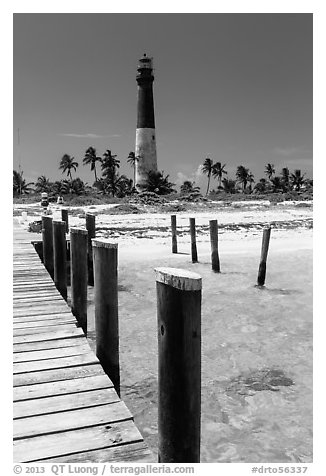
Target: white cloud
[[289, 151], [88, 135], [192, 177]]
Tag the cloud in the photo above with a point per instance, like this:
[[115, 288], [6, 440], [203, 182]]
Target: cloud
[[192, 177], [288, 151], [89, 135]]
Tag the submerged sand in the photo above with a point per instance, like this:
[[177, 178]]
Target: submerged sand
[[256, 342]]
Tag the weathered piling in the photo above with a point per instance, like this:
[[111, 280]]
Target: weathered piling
[[60, 257], [263, 256], [179, 365], [213, 230], [90, 227], [65, 218], [78, 275], [105, 259], [47, 239], [194, 256], [174, 234]]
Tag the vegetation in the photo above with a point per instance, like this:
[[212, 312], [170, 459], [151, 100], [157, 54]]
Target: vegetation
[[207, 169], [111, 185], [132, 159], [90, 159], [68, 163], [188, 187], [218, 171], [156, 182], [20, 187]]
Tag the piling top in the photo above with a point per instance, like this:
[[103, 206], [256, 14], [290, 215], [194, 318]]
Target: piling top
[[59, 222], [103, 243], [81, 231], [179, 278]]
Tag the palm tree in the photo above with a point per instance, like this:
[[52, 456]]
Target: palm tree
[[242, 175], [189, 187], [60, 187], [251, 180], [218, 171], [91, 158], [43, 184], [260, 186], [156, 182], [101, 186], [77, 186], [269, 170], [277, 184], [207, 169], [20, 186], [109, 161], [297, 179], [125, 186], [68, 163], [132, 160], [286, 178], [228, 185]]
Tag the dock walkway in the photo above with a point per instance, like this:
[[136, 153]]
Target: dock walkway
[[65, 406]]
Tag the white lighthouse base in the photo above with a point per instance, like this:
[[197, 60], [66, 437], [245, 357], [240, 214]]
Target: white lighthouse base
[[145, 151]]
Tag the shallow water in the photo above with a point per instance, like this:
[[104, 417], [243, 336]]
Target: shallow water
[[246, 332], [256, 342]]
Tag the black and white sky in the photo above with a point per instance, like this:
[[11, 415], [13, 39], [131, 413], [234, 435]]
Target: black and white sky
[[236, 87]]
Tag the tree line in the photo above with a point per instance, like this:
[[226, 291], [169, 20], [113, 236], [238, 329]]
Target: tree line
[[108, 181], [244, 179]]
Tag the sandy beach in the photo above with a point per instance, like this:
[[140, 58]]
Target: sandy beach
[[257, 342]]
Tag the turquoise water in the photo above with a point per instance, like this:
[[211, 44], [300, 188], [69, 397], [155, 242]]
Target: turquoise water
[[256, 355]]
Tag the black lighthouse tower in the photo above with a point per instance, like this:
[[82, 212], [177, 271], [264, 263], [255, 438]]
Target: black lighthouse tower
[[145, 149]]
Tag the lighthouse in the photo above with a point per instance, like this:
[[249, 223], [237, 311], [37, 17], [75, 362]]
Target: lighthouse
[[145, 149]]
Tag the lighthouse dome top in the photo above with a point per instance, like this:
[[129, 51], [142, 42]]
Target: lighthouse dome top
[[145, 62]]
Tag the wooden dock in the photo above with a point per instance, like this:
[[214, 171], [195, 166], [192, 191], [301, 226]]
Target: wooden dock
[[65, 407]]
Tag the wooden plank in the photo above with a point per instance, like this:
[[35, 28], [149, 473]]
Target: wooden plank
[[60, 403], [43, 310], [73, 386], [44, 323], [60, 334], [57, 374], [45, 318], [37, 294], [58, 363], [35, 300], [51, 353], [68, 442], [34, 288], [70, 420], [132, 452], [24, 280], [48, 344], [41, 330]]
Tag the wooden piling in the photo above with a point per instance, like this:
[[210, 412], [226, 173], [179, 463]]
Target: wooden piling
[[78, 275], [194, 256], [179, 365], [263, 256], [65, 218], [60, 257], [174, 234], [47, 239], [90, 227], [213, 230], [105, 259]]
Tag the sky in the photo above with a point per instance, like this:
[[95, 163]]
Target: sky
[[237, 88]]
